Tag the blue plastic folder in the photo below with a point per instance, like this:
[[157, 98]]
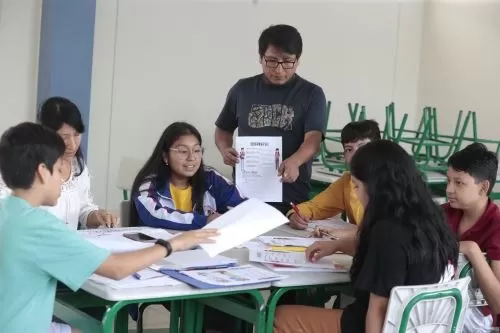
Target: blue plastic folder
[[179, 275], [189, 280]]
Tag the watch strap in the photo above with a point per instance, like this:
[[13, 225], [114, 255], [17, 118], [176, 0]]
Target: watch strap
[[166, 244]]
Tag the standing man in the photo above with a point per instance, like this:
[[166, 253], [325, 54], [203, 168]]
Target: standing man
[[277, 102]]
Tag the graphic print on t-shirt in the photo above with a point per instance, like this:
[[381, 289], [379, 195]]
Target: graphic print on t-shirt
[[275, 115]]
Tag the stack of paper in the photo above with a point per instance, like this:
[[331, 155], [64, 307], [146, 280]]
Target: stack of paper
[[193, 259], [287, 241], [295, 261], [142, 279]]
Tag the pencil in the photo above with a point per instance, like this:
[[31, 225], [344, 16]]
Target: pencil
[[295, 209]]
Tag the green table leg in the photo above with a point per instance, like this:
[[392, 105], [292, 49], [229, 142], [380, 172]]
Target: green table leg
[[199, 316], [250, 309], [175, 316], [121, 322], [113, 315], [271, 305], [188, 316]]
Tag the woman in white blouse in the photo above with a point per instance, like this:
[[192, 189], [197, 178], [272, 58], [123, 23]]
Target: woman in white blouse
[[75, 205]]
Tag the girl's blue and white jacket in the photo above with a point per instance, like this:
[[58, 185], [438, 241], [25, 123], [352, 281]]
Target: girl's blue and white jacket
[[156, 207]]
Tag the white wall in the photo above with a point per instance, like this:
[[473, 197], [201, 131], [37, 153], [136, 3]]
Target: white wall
[[158, 61], [460, 63], [19, 44]]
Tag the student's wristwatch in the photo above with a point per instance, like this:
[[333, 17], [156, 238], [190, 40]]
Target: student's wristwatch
[[166, 245]]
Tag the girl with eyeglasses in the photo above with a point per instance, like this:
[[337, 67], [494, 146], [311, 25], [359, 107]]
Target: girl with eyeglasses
[[174, 190]]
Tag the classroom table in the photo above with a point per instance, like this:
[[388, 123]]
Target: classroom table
[[117, 301], [295, 281], [254, 310], [298, 281], [93, 294]]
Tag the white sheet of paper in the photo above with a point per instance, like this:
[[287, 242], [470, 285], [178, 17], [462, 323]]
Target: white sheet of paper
[[148, 273], [294, 259], [285, 268], [244, 222], [131, 282], [257, 170], [192, 259], [287, 241], [113, 240], [234, 276]]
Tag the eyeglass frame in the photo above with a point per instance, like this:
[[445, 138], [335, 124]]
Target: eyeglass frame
[[189, 152], [279, 63]]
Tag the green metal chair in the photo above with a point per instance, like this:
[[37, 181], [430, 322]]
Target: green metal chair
[[475, 293], [335, 160], [436, 308]]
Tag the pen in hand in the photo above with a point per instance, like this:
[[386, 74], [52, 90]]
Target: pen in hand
[[325, 234], [295, 209], [297, 221]]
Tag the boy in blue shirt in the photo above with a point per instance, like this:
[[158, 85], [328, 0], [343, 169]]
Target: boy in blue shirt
[[37, 249]]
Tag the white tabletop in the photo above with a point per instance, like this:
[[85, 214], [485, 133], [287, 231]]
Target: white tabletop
[[111, 294], [293, 279], [305, 278]]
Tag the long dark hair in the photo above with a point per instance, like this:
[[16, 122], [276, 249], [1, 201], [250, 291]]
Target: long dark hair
[[398, 193], [158, 172], [57, 111]]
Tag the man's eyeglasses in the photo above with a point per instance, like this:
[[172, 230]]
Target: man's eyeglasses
[[184, 152], [273, 63]]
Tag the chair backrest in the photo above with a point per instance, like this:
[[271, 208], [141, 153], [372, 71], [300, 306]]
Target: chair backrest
[[124, 213], [436, 308], [475, 294]]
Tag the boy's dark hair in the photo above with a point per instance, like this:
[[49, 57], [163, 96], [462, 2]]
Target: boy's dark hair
[[282, 36], [23, 148], [360, 130], [477, 161]]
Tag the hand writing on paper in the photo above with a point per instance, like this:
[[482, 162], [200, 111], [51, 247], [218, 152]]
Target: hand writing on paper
[[230, 156], [289, 171], [101, 218], [298, 222], [321, 249], [190, 239]]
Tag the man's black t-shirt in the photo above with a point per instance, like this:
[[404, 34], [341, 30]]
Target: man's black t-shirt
[[258, 108], [386, 265]]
